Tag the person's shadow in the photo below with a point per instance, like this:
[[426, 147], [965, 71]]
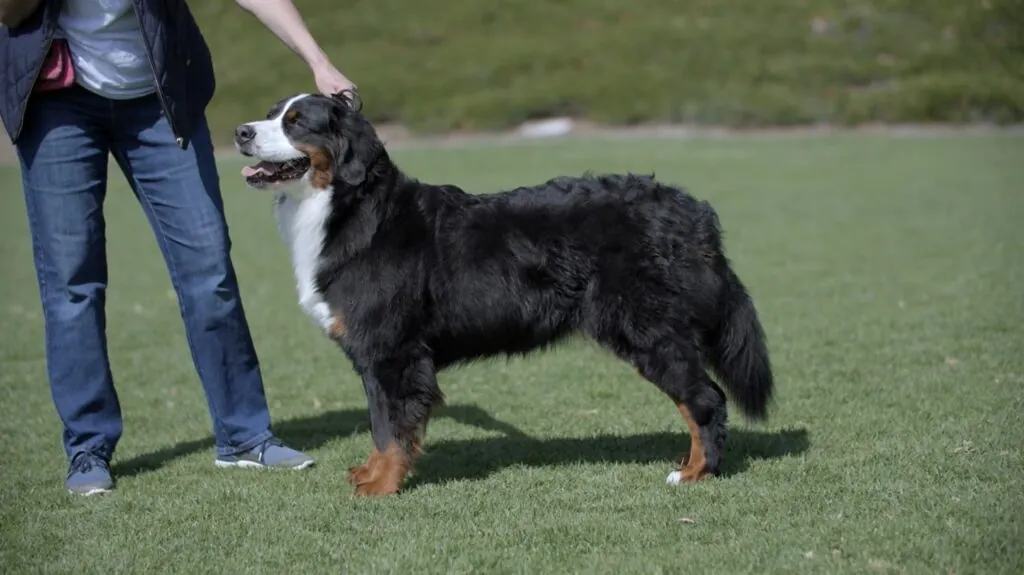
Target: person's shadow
[[446, 460]]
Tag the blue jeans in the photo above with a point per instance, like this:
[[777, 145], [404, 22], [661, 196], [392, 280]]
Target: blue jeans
[[64, 150]]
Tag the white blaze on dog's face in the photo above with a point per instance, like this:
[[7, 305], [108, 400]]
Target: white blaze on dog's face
[[266, 139]]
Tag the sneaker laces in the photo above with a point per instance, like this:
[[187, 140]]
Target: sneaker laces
[[84, 462], [261, 449]]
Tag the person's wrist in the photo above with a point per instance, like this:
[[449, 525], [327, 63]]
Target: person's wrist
[[318, 61]]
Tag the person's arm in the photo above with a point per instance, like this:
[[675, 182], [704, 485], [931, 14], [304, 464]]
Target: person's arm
[[14, 12], [284, 21]]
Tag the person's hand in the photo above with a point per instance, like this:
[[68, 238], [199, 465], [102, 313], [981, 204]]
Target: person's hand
[[330, 81]]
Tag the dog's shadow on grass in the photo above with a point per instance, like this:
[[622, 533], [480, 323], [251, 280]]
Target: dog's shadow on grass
[[447, 460]]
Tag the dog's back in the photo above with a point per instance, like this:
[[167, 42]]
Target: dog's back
[[517, 269]]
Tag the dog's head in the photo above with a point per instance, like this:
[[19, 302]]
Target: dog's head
[[323, 140]]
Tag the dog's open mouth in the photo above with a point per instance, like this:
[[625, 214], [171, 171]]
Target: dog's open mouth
[[266, 174]]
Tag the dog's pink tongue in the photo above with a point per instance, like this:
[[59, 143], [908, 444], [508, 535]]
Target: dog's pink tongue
[[267, 168]]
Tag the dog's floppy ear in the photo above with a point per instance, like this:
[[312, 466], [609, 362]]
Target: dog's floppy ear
[[347, 165], [351, 170]]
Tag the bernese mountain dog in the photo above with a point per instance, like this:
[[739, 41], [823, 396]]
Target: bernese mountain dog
[[410, 278]]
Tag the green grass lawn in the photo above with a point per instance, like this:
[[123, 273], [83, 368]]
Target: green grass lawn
[[887, 271]]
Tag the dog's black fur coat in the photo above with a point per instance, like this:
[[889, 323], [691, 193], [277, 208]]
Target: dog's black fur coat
[[426, 276]]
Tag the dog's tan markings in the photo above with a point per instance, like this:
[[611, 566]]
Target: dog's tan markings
[[694, 467], [362, 474], [320, 163], [338, 329], [291, 115], [383, 472]]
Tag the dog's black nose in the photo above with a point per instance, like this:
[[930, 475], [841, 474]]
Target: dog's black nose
[[244, 133]]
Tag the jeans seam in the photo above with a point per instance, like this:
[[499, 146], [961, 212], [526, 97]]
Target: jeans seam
[[162, 239]]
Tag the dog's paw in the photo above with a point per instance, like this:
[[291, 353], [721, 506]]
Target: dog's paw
[[376, 489], [686, 475], [358, 475]]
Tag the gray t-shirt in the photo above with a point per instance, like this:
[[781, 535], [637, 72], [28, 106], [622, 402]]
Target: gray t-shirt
[[107, 48]]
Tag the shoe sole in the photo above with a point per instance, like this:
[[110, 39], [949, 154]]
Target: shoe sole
[[93, 491], [244, 464]]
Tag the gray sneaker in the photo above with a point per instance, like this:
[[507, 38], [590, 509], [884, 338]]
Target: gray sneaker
[[271, 454], [88, 474]]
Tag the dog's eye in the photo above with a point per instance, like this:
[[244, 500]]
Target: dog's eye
[[291, 116]]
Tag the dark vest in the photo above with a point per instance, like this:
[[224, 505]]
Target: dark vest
[[176, 49]]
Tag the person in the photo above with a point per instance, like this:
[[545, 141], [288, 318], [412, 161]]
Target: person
[[132, 79]]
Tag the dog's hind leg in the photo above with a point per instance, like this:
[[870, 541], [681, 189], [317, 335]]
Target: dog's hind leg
[[647, 331], [674, 366], [400, 395], [707, 436]]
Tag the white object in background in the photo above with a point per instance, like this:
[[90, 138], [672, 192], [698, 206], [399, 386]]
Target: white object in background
[[546, 128]]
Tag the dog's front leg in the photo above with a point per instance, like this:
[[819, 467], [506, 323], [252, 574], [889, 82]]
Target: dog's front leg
[[400, 395], [381, 431]]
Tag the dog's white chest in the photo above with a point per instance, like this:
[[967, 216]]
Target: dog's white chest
[[301, 220]]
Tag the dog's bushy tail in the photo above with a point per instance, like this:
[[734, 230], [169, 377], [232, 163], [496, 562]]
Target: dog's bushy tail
[[739, 351]]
